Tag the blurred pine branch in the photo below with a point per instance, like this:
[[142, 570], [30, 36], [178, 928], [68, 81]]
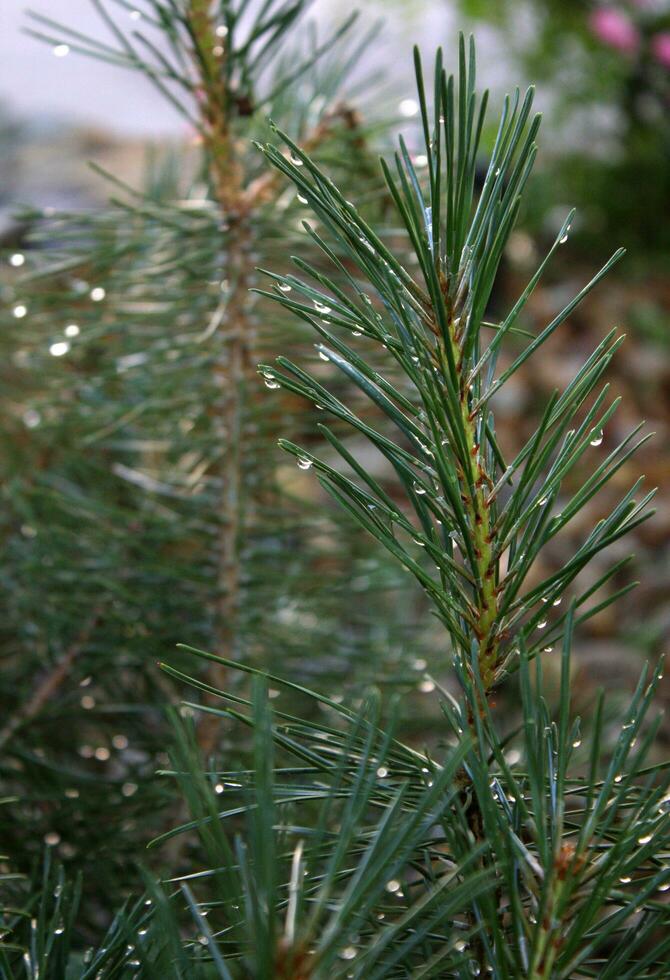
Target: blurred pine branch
[[138, 475]]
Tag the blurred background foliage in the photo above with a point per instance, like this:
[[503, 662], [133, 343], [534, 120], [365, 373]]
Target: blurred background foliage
[[606, 69], [603, 72]]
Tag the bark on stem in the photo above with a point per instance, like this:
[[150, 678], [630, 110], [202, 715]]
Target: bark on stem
[[238, 202], [474, 483], [231, 364]]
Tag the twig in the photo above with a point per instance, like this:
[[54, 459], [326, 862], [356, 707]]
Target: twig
[[51, 683], [259, 190]]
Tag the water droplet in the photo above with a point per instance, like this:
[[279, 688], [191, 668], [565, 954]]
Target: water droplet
[[348, 953], [271, 381], [557, 602], [102, 754], [20, 311], [421, 160], [548, 650], [59, 348], [542, 502], [564, 239], [577, 742], [382, 772], [323, 356], [303, 200], [61, 50], [597, 439], [617, 779], [52, 838], [625, 879], [222, 31], [72, 330], [219, 788], [120, 742], [321, 307], [419, 664], [427, 686], [98, 294], [645, 838], [460, 945], [59, 930], [408, 108], [356, 333], [303, 463], [541, 625], [295, 160], [419, 489], [17, 259], [72, 794], [284, 287], [393, 886], [665, 887], [88, 702]]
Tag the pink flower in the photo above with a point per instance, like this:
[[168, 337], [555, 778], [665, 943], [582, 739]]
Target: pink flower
[[660, 48], [613, 28]]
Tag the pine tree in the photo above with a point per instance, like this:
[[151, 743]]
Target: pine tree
[[141, 498], [548, 862], [512, 851]]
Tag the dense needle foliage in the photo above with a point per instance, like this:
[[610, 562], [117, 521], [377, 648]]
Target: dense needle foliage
[[526, 850], [140, 501]]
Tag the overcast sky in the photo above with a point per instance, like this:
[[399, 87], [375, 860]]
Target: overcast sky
[[36, 84]]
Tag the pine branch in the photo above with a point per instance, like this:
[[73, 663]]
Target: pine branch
[[238, 201], [212, 73], [556, 848], [130, 380], [481, 545]]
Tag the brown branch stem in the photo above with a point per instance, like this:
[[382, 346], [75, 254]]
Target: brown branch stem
[[238, 201], [51, 683]]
